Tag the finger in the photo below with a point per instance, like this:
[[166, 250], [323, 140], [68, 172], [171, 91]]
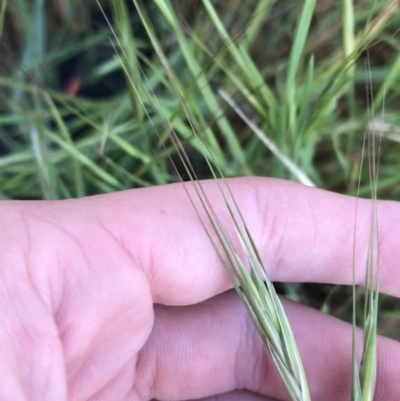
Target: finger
[[212, 348], [304, 234]]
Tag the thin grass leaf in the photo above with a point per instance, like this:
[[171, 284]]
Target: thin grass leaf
[[390, 80], [244, 62], [300, 175], [204, 86], [34, 51], [41, 150], [44, 174], [349, 42], [128, 52], [294, 60], [3, 9], [84, 160], [258, 18], [77, 171], [349, 47]]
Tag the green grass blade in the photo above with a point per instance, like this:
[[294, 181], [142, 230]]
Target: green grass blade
[[76, 167], [300, 175], [294, 60], [349, 42], [203, 85], [34, 51], [3, 9], [128, 51], [84, 160]]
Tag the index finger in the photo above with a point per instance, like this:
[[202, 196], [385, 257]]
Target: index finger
[[303, 234]]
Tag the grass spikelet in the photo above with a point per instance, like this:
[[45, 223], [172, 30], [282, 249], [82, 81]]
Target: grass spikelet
[[254, 287], [364, 378]]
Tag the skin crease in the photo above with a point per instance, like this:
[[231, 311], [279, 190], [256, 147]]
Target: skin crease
[[122, 297]]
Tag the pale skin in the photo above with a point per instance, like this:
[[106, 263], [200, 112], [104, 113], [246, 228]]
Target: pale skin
[[122, 297]]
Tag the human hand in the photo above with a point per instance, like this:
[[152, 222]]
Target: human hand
[[122, 296]]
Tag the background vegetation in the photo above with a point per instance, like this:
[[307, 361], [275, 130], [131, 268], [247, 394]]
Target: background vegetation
[[268, 96]]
